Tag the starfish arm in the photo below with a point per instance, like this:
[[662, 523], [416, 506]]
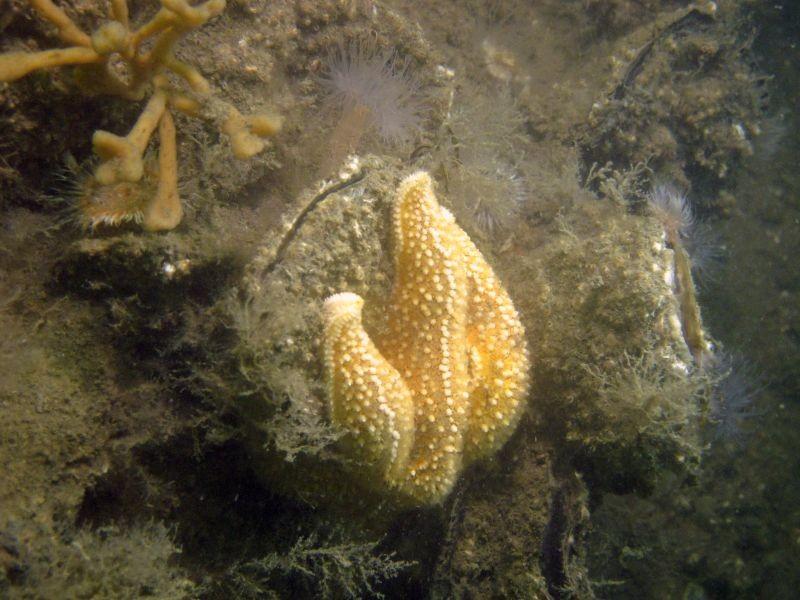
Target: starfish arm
[[368, 398], [498, 356], [427, 321]]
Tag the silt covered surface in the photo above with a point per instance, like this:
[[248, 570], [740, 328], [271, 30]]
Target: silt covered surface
[[165, 428]]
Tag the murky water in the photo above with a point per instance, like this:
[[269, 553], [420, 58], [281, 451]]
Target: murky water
[[405, 299]]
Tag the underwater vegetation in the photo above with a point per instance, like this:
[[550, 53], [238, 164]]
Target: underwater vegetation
[[693, 130], [609, 364], [107, 563], [119, 59], [614, 372], [322, 568], [653, 399], [254, 379]]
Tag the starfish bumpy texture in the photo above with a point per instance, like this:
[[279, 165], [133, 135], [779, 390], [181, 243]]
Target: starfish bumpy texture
[[446, 385]]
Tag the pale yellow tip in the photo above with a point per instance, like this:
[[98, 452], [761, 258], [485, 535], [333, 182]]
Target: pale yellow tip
[[419, 179], [342, 304]]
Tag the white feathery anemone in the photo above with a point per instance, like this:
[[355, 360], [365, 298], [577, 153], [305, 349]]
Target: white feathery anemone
[[492, 195], [673, 209], [363, 78], [707, 251]]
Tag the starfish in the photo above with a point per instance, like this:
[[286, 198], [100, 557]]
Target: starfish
[[445, 385]]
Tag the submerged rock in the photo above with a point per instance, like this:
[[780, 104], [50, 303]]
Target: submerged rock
[[611, 374]]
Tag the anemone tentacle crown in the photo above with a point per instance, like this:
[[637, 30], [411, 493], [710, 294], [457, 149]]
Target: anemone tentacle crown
[[446, 385]]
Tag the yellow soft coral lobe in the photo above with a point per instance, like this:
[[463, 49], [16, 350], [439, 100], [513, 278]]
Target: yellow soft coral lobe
[[497, 355], [368, 396], [454, 357], [427, 339]]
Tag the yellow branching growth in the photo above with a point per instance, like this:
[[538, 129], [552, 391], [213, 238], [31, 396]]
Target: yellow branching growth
[[138, 73]]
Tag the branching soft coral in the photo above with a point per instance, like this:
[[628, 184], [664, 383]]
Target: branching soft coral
[[113, 60]]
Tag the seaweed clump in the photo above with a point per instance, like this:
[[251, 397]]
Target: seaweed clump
[[132, 63], [614, 383], [276, 315], [321, 569], [107, 563]]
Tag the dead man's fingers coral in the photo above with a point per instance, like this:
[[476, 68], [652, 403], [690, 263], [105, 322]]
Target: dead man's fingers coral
[[67, 30], [178, 14], [164, 211], [122, 156], [193, 77], [14, 65], [453, 337], [368, 397], [111, 37], [194, 16], [119, 12], [132, 63], [247, 133]]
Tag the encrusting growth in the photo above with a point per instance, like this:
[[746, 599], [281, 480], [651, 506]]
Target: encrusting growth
[[675, 214], [454, 356], [116, 60]]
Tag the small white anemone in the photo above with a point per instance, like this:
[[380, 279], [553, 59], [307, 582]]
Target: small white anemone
[[360, 76], [673, 209], [490, 195], [735, 398], [707, 251]]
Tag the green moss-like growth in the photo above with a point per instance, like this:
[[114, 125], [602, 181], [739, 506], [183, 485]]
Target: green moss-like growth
[[498, 519], [612, 373], [106, 564], [321, 569], [686, 104]]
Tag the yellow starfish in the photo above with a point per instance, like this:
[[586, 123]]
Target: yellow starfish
[[446, 385]]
